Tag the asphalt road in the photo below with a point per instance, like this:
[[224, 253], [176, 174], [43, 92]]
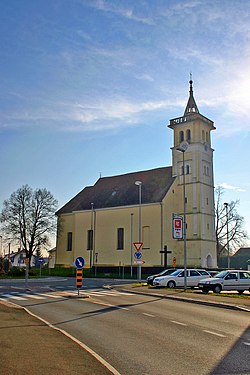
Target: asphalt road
[[145, 335]]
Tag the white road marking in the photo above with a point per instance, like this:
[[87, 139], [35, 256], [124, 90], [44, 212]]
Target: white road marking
[[13, 297], [35, 296], [85, 347], [246, 343], [214, 333], [150, 315], [179, 323], [49, 295]]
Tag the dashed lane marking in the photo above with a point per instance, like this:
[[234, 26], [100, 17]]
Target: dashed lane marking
[[214, 333], [179, 323], [150, 315]]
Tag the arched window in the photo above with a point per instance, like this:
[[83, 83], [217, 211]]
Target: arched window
[[203, 135], [188, 135], [181, 135], [187, 169], [207, 140]]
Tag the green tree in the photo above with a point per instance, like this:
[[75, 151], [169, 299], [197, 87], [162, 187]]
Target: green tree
[[229, 225], [28, 216]]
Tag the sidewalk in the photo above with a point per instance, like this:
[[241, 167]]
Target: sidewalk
[[31, 347], [223, 300]]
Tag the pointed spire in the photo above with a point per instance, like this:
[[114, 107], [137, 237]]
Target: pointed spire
[[191, 105]]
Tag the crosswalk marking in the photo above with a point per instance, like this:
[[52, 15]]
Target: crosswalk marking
[[35, 296], [18, 298], [41, 296], [100, 293]]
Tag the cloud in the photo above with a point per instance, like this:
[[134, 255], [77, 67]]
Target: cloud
[[227, 186], [121, 11]]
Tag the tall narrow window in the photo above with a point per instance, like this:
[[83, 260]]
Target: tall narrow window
[[181, 136], [187, 169], [69, 241], [120, 238], [188, 135], [203, 135], [90, 240]]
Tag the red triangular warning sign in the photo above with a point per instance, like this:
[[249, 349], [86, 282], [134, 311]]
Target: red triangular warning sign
[[137, 245]]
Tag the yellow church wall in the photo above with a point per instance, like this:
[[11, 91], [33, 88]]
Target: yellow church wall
[[105, 224]]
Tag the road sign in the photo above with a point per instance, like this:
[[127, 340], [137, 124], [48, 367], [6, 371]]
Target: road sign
[[79, 262], [41, 260], [139, 261], [137, 255], [177, 227], [137, 245]]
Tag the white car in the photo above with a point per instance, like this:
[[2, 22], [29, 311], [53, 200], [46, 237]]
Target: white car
[[176, 279], [227, 280]]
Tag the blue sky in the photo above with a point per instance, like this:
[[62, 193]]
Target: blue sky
[[88, 88]]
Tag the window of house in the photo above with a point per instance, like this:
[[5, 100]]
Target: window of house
[[120, 238], [69, 241], [90, 239], [187, 169], [188, 135], [181, 136]]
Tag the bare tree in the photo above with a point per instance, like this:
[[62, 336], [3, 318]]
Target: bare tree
[[228, 219], [29, 217]]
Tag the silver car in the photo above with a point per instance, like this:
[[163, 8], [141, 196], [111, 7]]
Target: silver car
[[176, 279], [227, 280]]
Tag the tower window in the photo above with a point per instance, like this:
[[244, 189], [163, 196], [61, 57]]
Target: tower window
[[207, 137], [188, 135], [203, 135], [181, 136]]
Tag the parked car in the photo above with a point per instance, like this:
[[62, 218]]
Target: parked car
[[227, 280], [176, 279], [166, 272]]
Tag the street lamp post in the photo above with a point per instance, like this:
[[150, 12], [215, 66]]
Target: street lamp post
[[228, 252], [183, 148], [131, 244], [139, 184]]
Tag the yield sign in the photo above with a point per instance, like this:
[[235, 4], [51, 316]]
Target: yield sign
[[137, 245]]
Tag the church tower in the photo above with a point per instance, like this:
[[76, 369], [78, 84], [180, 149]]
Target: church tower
[[193, 168]]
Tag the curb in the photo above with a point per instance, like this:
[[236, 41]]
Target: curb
[[190, 300]]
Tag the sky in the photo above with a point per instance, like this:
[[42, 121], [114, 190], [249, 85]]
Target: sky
[[88, 88]]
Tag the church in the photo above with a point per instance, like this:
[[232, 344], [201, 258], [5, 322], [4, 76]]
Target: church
[[131, 218]]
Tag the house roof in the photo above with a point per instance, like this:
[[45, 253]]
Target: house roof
[[242, 252], [121, 190]]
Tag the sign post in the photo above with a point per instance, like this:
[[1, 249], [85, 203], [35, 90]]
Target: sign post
[[138, 255], [79, 263], [40, 261]]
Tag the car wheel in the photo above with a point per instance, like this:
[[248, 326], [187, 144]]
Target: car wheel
[[205, 290], [217, 288], [240, 291], [171, 284]]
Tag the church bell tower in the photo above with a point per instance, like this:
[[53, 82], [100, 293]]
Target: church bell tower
[[193, 167]]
